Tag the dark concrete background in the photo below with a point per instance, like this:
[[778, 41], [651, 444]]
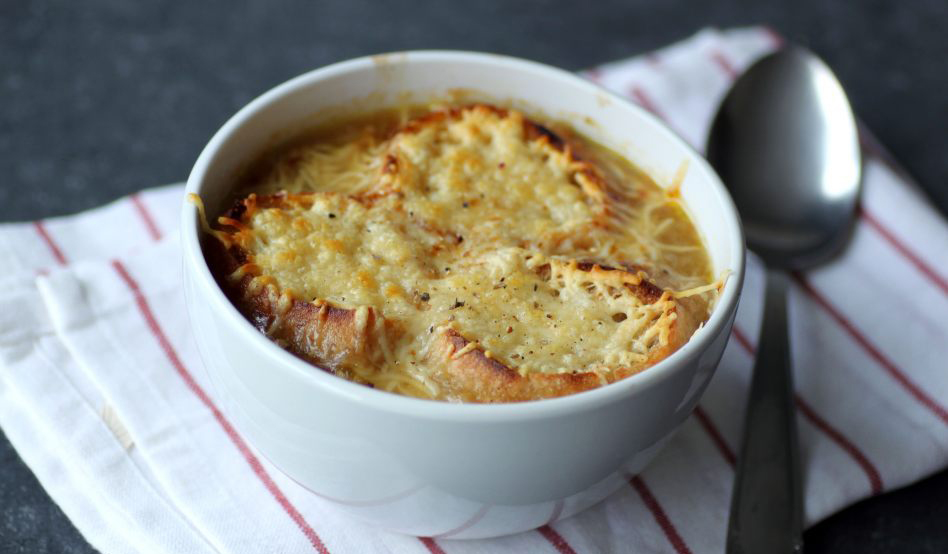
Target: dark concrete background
[[101, 98]]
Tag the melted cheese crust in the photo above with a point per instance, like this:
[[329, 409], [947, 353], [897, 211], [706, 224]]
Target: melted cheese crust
[[548, 255]]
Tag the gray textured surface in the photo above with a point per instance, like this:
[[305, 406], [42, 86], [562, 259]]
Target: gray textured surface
[[101, 98]]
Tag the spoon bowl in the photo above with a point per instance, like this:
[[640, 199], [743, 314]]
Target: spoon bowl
[[786, 145]]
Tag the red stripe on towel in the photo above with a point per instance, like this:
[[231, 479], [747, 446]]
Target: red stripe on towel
[[557, 540], [643, 99], [145, 216], [659, 514], [53, 249], [743, 340], [834, 434], [229, 430], [875, 480], [900, 377], [724, 63], [900, 246], [716, 437], [431, 545]]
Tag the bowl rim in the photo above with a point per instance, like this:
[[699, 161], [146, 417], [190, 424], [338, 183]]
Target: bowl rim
[[385, 401]]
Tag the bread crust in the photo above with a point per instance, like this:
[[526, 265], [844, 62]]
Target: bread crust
[[329, 337], [474, 375]]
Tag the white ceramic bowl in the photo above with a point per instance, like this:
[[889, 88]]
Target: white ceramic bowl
[[433, 468]]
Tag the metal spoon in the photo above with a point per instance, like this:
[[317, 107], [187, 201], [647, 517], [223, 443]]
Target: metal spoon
[[784, 141]]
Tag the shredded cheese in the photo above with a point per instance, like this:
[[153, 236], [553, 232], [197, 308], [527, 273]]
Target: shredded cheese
[[545, 261]]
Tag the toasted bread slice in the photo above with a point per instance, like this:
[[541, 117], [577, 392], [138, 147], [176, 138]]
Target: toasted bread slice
[[468, 372], [488, 263]]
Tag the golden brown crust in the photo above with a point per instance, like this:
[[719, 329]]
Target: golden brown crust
[[635, 280], [586, 175], [687, 310], [337, 339], [327, 336], [330, 338], [472, 376]]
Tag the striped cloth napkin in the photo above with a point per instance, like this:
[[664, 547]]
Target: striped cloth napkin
[[104, 396]]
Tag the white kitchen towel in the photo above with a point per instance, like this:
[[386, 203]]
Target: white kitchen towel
[[103, 394]]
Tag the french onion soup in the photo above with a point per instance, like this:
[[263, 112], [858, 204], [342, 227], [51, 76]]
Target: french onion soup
[[462, 253]]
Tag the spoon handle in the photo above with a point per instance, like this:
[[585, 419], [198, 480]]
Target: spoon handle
[[766, 507]]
